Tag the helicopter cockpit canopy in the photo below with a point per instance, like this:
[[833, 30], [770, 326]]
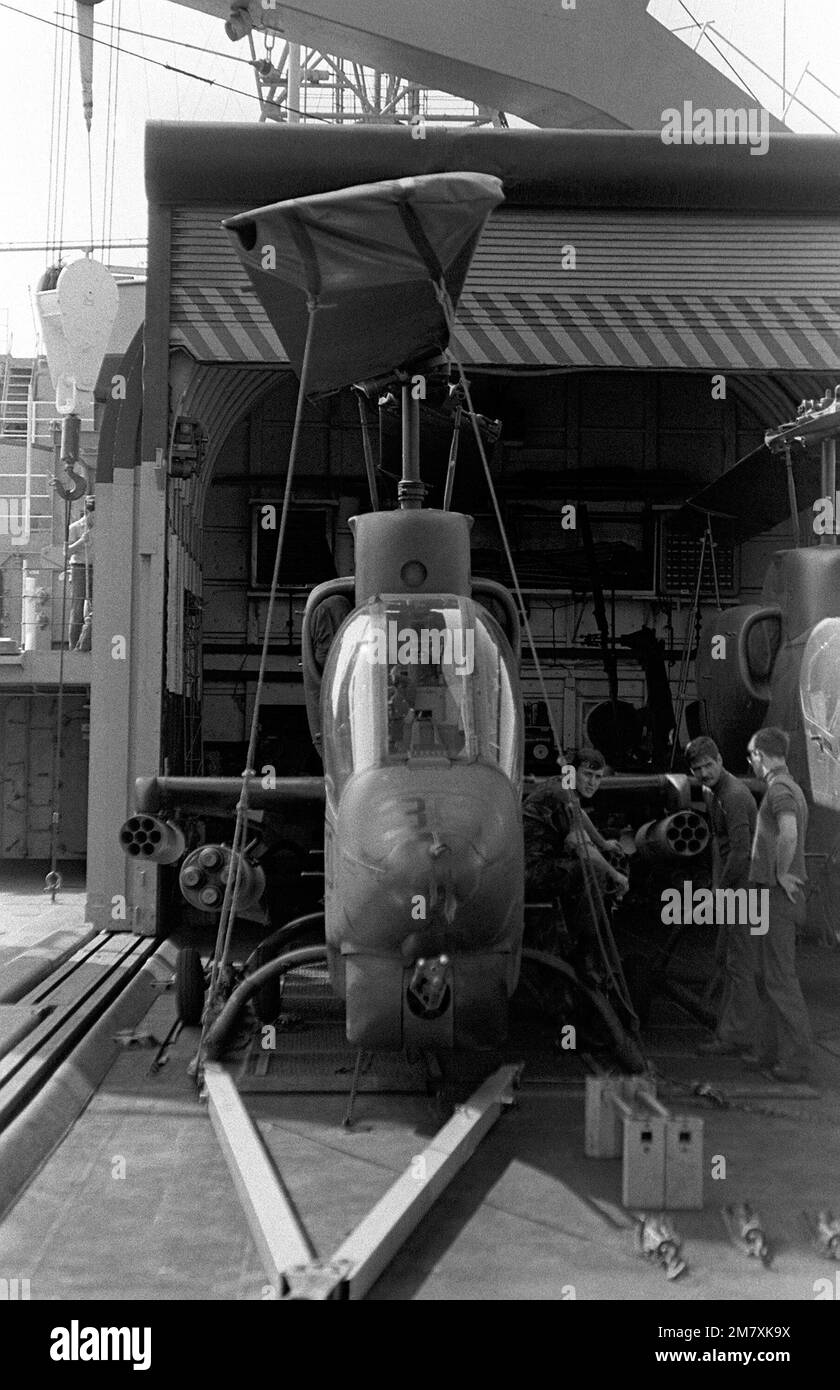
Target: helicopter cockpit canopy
[[421, 681]]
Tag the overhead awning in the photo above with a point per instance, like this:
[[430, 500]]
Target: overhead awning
[[695, 291]]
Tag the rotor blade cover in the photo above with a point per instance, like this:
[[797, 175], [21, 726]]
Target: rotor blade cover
[[371, 257], [753, 493]]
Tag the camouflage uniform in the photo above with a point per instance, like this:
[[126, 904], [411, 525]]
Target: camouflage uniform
[[554, 871]]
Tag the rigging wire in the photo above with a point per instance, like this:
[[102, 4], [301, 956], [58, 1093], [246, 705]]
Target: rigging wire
[[61, 96], [90, 188], [722, 55], [169, 67], [112, 122], [145, 74], [109, 125], [66, 84], [69, 244], [592, 886], [231, 896], [52, 883], [51, 166], [102, 220], [55, 189], [178, 43], [691, 642]]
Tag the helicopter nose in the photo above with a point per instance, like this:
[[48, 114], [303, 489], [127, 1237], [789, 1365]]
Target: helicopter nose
[[431, 860], [435, 859]]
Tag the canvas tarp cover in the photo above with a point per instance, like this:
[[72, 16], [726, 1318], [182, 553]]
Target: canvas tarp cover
[[370, 257], [753, 494]]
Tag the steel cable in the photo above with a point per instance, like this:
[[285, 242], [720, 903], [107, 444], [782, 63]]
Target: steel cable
[[594, 895], [231, 896]]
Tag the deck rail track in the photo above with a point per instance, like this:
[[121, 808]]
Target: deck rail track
[[64, 1008]]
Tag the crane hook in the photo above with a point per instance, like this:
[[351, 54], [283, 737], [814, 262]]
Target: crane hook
[[69, 461], [77, 483]]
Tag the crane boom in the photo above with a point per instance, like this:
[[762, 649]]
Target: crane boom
[[561, 65]]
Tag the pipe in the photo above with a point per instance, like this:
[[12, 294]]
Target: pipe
[[628, 1051], [411, 490], [828, 463], [222, 793], [149, 838], [679, 836], [293, 112], [673, 787], [221, 1029], [285, 935], [453, 459], [367, 448], [792, 499]]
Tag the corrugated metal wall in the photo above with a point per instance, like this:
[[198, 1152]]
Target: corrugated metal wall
[[27, 741], [639, 290]]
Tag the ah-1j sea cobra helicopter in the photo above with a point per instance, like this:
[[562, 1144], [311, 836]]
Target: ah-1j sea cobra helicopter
[[417, 710]]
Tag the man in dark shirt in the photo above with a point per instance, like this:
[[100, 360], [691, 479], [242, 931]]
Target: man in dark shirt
[[777, 866], [732, 814]]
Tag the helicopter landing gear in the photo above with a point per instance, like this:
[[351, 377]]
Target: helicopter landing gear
[[189, 986], [268, 998], [300, 932]]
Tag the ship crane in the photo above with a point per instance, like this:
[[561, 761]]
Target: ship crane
[[548, 64]]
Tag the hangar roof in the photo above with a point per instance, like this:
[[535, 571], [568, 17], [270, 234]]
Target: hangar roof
[[250, 165]]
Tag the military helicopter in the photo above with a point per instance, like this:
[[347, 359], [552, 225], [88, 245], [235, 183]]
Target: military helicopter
[[775, 661], [417, 711]]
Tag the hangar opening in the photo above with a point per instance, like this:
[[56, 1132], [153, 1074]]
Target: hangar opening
[[634, 337]]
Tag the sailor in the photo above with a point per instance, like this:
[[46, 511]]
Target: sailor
[[79, 552], [732, 812], [777, 866]]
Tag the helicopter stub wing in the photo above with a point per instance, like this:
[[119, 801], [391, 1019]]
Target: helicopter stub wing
[[220, 794], [371, 258]]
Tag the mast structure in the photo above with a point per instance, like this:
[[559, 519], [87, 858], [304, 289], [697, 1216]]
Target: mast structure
[[298, 84]]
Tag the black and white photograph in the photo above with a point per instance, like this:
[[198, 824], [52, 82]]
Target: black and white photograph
[[419, 670]]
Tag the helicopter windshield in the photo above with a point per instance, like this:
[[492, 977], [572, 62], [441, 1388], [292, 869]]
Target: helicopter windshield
[[820, 680], [819, 693], [419, 680]]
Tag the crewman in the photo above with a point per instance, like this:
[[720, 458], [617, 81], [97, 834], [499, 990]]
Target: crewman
[[733, 814], [557, 855], [79, 554], [777, 866]]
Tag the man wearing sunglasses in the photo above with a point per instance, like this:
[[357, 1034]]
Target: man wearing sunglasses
[[732, 814], [777, 864]]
